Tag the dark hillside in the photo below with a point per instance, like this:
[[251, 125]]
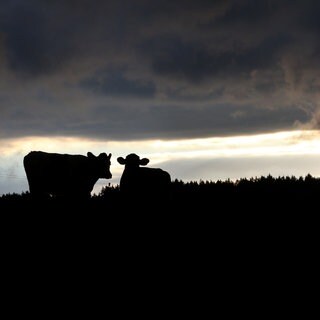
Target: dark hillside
[[255, 195], [259, 229]]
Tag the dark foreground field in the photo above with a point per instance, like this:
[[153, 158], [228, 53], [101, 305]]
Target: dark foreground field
[[252, 212], [257, 197], [251, 239]]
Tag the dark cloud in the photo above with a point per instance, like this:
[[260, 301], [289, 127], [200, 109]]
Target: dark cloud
[[308, 15], [157, 68], [247, 13], [35, 42], [114, 82], [124, 121], [196, 61]]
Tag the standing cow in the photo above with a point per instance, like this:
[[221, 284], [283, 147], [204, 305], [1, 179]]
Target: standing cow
[[54, 174], [135, 179]]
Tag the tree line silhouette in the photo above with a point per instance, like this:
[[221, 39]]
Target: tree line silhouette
[[255, 193]]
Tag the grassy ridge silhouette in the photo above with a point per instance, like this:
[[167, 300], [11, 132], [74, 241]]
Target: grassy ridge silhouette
[[253, 194], [254, 220]]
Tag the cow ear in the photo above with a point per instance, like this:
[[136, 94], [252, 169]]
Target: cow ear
[[121, 160], [90, 155], [104, 155], [144, 162]]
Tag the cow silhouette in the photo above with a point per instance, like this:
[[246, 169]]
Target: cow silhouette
[[65, 175], [139, 180]]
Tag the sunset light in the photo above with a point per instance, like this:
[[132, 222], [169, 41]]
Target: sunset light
[[301, 147]]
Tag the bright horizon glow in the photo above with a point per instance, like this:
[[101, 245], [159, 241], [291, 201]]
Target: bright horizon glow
[[279, 143], [163, 153]]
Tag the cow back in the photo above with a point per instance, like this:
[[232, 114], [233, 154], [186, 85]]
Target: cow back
[[61, 174], [147, 180]]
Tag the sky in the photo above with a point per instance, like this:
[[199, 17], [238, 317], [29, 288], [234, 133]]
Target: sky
[[206, 89]]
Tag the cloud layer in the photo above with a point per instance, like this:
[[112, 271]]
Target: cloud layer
[[158, 69]]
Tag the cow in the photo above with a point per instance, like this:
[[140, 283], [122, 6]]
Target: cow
[[65, 175], [137, 180]]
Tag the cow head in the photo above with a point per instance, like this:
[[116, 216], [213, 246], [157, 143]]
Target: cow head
[[133, 161], [102, 163]]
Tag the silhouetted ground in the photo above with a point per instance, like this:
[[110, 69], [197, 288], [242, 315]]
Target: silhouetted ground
[[254, 195], [257, 235], [256, 198]]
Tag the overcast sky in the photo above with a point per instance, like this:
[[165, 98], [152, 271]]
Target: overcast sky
[[122, 70]]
